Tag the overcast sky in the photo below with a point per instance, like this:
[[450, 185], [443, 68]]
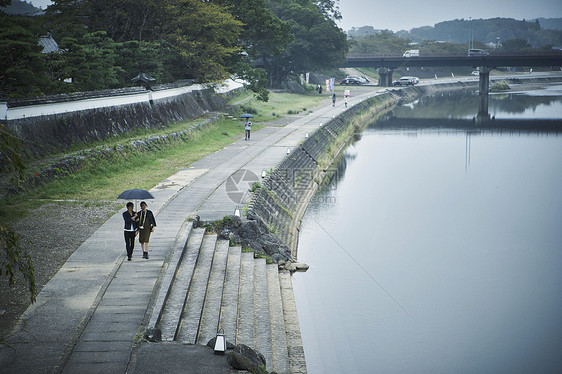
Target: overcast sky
[[406, 14]]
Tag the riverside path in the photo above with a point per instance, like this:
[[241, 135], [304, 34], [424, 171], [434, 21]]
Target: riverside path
[[90, 316]]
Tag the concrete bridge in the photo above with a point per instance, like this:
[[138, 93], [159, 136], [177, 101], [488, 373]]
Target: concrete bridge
[[387, 64]]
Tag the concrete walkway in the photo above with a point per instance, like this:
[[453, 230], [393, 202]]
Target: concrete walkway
[[89, 316]]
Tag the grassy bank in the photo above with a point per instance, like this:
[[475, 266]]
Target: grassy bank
[[102, 178]]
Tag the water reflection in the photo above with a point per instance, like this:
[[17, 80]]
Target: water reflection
[[421, 264], [501, 105]]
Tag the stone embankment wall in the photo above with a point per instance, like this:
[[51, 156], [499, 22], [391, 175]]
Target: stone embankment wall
[[45, 135], [282, 200]]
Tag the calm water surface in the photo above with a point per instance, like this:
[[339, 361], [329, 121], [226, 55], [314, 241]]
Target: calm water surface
[[438, 251]]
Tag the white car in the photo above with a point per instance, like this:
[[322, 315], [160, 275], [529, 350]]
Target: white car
[[404, 81], [475, 73]]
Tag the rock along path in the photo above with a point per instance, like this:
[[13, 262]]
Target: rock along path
[[90, 314]]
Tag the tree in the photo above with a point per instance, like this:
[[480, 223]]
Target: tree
[[318, 42], [14, 259], [22, 71], [205, 35], [90, 61], [125, 20], [515, 45], [329, 8], [264, 35]]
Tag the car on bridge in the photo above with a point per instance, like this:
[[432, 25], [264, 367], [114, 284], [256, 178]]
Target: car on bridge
[[477, 52], [405, 81]]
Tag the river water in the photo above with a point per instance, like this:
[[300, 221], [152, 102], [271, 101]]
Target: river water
[[438, 250]]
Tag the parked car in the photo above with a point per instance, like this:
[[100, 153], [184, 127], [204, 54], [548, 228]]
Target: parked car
[[475, 73], [477, 52], [404, 81], [352, 81], [363, 79]]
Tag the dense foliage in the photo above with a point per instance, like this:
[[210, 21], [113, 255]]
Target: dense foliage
[[105, 43]]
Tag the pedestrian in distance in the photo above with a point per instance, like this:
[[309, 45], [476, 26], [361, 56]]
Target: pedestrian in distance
[[129, 216], [146, 224], [247, 127], [333, 99], [320, 90]]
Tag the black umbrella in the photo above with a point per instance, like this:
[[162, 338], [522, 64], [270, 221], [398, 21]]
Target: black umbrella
[[142, 77], [246, 115], [145, 80], [135, 194]]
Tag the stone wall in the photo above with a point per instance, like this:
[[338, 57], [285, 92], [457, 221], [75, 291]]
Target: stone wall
[[282, 200], [45, 135]]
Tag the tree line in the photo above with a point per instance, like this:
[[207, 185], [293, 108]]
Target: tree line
[[105, 43], [451, 37]]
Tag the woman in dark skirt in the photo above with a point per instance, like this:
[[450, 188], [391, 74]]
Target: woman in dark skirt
[[146, 225], [129, 216]]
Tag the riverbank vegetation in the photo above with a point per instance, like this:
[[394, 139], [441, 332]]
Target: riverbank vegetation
[[94, 45], [103, 176]]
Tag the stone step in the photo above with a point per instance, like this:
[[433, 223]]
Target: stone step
[[170, 270], [211, 310], [262, 330], [191, 317], [245, 322], [229, 305], [297, 362], [280, 353], [175, 302]]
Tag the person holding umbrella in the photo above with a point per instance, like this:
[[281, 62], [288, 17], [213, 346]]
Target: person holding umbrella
[[247, 127], [146, 224], [247, 124], [129, 216]]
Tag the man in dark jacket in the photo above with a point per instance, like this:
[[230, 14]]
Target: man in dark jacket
[[129, 216]]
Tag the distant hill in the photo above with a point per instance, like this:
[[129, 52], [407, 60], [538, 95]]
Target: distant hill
[[550, 23], [488, 31], [21, 8]]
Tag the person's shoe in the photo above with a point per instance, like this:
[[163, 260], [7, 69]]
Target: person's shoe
[[129, 258], [145, 255]]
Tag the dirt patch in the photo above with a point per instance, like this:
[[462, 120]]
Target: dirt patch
[[50, 235]]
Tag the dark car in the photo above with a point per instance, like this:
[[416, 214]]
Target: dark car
[[351, 81]]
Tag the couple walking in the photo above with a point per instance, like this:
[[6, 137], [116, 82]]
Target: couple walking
[[141, 223]]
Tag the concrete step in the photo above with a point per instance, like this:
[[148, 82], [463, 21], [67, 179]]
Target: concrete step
[[229, 305], [211, 310], [170, 270], [191, 317], [173, 308], [297, 362], [280, 353], [262, 330], [245, 322]]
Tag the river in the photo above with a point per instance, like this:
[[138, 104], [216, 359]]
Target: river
[[439, 250]]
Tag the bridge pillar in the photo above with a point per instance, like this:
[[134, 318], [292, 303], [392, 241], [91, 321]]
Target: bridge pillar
[[385, 75], [483, 89]]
